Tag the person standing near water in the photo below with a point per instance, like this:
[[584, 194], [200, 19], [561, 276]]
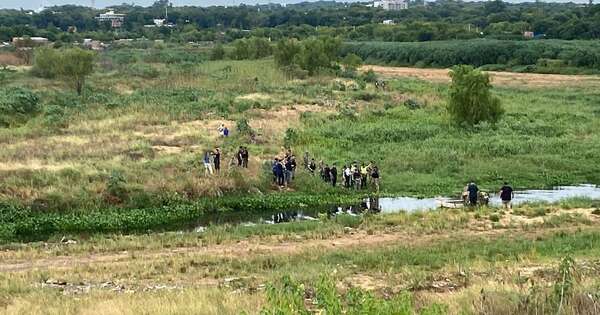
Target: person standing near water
[[507, 194], [473, 191], [375, 176]]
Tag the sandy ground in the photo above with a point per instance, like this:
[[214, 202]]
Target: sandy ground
[[499, 78]]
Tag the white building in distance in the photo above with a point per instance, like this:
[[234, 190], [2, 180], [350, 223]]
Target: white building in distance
[[391, 5], [115, 19]]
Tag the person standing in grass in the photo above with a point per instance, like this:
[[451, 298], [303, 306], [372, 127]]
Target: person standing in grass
[[312, 167], [364, 173], [326, 173], [375, 176], [506, 195], [357, 177], [288, 170], [207, 166], [333, 173], [279, 173], [473, 192], [294, 165], [347, 176], [239, 155], [217, 160], [245, 157]]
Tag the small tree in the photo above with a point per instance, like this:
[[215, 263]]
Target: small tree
[[470, 99], [217, 53], [72, 65], [76, 65], [286, 51], [352, 62]]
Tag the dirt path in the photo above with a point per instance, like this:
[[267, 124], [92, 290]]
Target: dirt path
[[254, 247], [498, 78]]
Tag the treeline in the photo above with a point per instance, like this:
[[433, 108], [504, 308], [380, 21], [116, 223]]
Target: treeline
[[544, 53], [440, 20]]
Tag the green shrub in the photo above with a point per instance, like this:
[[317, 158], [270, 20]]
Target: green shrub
[[217, 53], [470, 100], [17, 105], [143, 70], [55, 116]]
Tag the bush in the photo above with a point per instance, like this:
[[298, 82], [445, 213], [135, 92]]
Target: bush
[[55, 116], [217, 53], [45, 62], [17, 105], [143, 70], [243, 127], [471, 101]]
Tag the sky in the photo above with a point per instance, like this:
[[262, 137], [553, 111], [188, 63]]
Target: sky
[[34, 4]]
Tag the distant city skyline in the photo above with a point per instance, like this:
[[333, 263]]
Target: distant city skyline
[[35, 4]]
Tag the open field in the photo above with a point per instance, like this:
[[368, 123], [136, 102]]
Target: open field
[[510, 79], [105, 209], [459, 262], [151, 132]]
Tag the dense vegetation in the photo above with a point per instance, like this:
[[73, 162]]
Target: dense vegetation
[[440, 20], [525, 56]]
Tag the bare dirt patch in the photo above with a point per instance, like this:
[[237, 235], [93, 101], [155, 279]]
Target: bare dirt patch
[[498, 78]]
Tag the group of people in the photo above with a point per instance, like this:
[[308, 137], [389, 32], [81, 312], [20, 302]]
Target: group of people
[[472, 196], [212, 160], [284, 170], [242, 157], [355, 175]]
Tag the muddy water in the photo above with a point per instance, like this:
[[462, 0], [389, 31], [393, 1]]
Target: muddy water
[[396, 204], [408, 204]]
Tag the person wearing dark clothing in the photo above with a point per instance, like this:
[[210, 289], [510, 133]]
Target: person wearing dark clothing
[[507, 194], [245, 156], [239, 156], [473, 191], [375, 177], [217, 160], [326, 173], [288, 171], [312, 167], [333, 173], [294, 165], [279, 173], [356, 177]]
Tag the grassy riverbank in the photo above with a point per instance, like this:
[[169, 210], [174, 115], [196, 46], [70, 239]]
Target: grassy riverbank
[[439, 262]]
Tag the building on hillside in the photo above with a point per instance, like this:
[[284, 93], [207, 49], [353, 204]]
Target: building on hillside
[[115, 19], [388, 22], [160, 23], [391, 5], [528, 34], [29, 41]]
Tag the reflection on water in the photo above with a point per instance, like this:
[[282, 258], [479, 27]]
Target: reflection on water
[[397, 204]]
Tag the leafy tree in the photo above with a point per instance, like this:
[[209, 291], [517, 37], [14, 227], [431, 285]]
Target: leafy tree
[[319, 53], [352, 62], [471, 101], [76, 65], [73, 65], [217, 53], [17, 105], [287, 50], [46, 62]]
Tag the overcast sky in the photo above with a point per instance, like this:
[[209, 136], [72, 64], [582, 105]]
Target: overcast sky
[[34, 4]]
